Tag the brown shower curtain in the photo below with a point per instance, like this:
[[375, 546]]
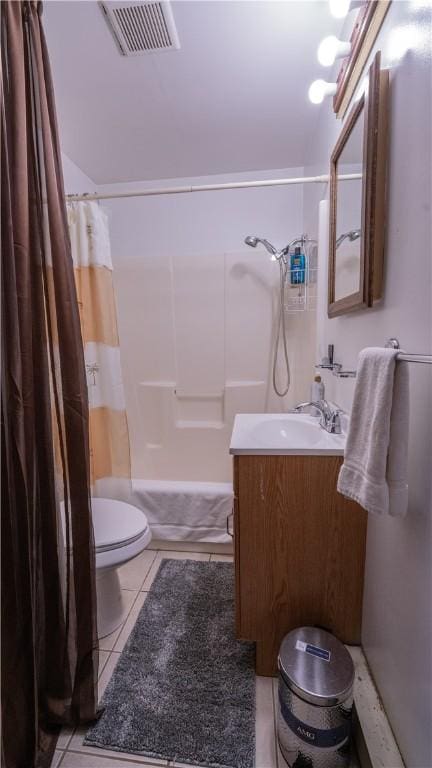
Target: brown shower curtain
[[49, 644]]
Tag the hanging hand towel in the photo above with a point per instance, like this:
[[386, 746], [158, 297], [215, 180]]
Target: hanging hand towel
[[374, 472]]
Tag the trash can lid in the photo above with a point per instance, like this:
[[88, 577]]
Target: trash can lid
[[316, 666]]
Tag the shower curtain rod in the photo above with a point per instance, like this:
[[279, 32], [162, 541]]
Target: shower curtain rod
[[210, 187]]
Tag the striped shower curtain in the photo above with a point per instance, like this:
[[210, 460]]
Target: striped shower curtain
[[109, 437]]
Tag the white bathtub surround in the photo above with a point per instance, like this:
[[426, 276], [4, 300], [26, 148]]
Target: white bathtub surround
[[197, 310], [185, 511], [374, 472]]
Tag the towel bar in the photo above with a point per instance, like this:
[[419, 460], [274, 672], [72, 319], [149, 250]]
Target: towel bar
[[408, 357], [337, 370]]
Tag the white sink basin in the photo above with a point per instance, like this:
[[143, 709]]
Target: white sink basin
[[276, 433], [282, 432]]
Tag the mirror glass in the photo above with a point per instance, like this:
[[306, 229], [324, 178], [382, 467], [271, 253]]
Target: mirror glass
[[349, 214]]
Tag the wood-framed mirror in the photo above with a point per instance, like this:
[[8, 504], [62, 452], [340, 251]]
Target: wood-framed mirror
[[357, 200]]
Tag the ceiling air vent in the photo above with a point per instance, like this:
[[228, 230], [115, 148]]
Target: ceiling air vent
[[142, 27]]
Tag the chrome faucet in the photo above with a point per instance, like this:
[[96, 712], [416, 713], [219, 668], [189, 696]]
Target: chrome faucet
[[330, 419]]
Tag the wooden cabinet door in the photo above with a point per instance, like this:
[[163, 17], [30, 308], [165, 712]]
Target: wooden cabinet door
[[300, 549]]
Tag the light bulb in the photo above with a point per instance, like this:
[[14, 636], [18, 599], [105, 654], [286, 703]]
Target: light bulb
[[319, 89], [339, 8], [331, 49]]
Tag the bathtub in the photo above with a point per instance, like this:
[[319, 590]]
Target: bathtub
[[187, 511]]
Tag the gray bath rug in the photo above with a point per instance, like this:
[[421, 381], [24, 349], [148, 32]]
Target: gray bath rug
[[183, 688]]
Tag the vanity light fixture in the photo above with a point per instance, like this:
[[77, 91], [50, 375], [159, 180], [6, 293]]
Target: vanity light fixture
[[340, 8], [319, 89], [331, 49]]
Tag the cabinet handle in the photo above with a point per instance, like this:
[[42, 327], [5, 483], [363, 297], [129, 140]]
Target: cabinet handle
[[228, 525]]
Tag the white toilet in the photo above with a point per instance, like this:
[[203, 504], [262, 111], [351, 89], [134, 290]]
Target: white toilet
[[121, 532]]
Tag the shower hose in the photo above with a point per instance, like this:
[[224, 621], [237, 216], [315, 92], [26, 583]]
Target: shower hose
[[281, 325]]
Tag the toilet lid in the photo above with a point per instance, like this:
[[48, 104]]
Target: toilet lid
[[116, 523]]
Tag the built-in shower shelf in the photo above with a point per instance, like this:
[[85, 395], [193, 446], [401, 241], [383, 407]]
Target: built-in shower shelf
[[198, 395]]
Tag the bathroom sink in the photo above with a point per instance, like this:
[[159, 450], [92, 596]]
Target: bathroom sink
[[281, 433], [288, 433]]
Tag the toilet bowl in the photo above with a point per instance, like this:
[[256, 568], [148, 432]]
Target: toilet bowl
[[121, 532]]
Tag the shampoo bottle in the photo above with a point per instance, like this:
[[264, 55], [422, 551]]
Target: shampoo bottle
[[297, 267]]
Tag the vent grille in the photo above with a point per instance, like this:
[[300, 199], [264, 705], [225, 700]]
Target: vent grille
[[142, 27]]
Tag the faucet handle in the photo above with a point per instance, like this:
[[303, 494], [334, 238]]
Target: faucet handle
[[335, 421], [325, 405]]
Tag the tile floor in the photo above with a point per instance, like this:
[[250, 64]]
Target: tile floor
[[136, 579]]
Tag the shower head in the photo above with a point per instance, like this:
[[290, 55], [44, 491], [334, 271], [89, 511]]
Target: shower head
[[253, 241], [353, 235]]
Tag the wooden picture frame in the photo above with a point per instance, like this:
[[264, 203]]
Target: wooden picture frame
[[368, 23], [372, 108]]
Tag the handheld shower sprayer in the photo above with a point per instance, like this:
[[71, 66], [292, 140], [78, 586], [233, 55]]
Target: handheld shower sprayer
[[281, 255], [253, 241]]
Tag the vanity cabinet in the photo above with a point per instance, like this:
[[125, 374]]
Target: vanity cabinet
[[299, 551]]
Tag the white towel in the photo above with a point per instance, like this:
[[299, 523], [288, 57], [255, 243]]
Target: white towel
[[374, 472]]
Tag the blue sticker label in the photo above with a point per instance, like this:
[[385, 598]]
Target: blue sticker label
[[314, 650], [322, 653]]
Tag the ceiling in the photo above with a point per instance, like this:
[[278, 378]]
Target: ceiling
[[233, 98]]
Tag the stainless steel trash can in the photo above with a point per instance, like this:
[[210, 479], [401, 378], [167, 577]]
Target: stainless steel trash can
[[316, 677]]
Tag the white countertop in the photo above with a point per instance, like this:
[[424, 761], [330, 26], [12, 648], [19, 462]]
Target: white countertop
[[280, 434]]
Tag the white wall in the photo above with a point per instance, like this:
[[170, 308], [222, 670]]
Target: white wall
[[196, 312], [397, 600], [75, 180]]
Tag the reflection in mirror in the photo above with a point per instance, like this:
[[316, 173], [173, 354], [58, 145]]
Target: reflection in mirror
[[349, 214]]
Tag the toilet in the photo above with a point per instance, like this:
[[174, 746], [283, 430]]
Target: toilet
[[121, 532]]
